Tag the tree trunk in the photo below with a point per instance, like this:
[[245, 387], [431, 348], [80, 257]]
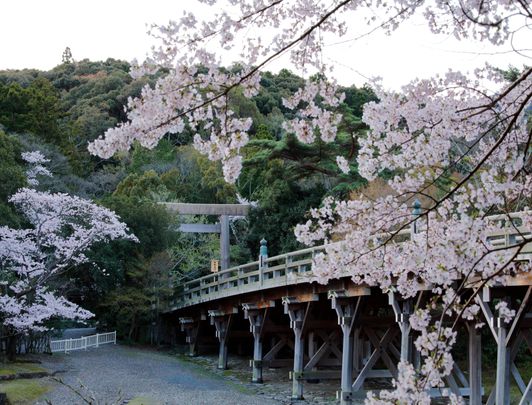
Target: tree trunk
[[132, 329], [11, 349]]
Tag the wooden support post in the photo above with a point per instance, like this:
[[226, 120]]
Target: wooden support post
[[402, 316], [502, 383], [191, 328], [298, 312], [257, 314], [222, 322], [257, 357], [475, 365], [297, 316], [347, 354], [347, 309]]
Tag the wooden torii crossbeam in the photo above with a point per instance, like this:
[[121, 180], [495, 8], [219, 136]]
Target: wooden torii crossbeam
[[224, 211]]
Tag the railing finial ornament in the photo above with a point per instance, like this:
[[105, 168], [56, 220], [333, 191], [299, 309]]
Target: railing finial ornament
[[263, 252]]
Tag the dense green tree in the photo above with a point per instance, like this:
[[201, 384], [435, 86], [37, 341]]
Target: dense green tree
[[12, 177], [14, 108], [44, 111], [35, 109], [282, 204]]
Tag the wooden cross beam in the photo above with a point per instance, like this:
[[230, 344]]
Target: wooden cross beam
[[380, 346], [271, 357], [330, 344]]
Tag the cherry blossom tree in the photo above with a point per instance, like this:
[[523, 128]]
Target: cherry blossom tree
[[459, 142], [61, 229]]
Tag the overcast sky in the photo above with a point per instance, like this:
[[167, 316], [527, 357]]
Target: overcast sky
[[34, 33]]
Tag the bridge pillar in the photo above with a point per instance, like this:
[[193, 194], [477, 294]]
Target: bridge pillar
[[347, 307], [475, 364], [257, 314], [298, 310], [222, 322], [402, 317], [502, 383], [191, 328]]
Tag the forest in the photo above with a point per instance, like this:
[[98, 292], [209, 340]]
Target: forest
[[124, 283]]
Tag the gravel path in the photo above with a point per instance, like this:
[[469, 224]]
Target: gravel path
[[148, 377]]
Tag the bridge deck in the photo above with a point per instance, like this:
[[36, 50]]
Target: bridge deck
[[296, 267]]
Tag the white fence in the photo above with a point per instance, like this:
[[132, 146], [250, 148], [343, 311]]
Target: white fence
[[67, 345]]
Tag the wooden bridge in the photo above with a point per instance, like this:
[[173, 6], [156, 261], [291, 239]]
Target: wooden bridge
[[347, 332]]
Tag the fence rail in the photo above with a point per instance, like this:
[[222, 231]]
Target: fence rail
[[68, 345], [296, 267]]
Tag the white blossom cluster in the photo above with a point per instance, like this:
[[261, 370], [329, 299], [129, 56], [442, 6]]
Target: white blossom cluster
[[36, 161], [314, 119], [62, 229]]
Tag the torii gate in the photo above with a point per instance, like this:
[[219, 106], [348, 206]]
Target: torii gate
[[222, 210]]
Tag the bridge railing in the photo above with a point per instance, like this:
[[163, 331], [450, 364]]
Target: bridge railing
[[82, 343], [295, 267]]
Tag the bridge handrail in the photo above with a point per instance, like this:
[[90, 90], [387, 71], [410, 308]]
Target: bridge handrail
[[284, 270], [82, 343]]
